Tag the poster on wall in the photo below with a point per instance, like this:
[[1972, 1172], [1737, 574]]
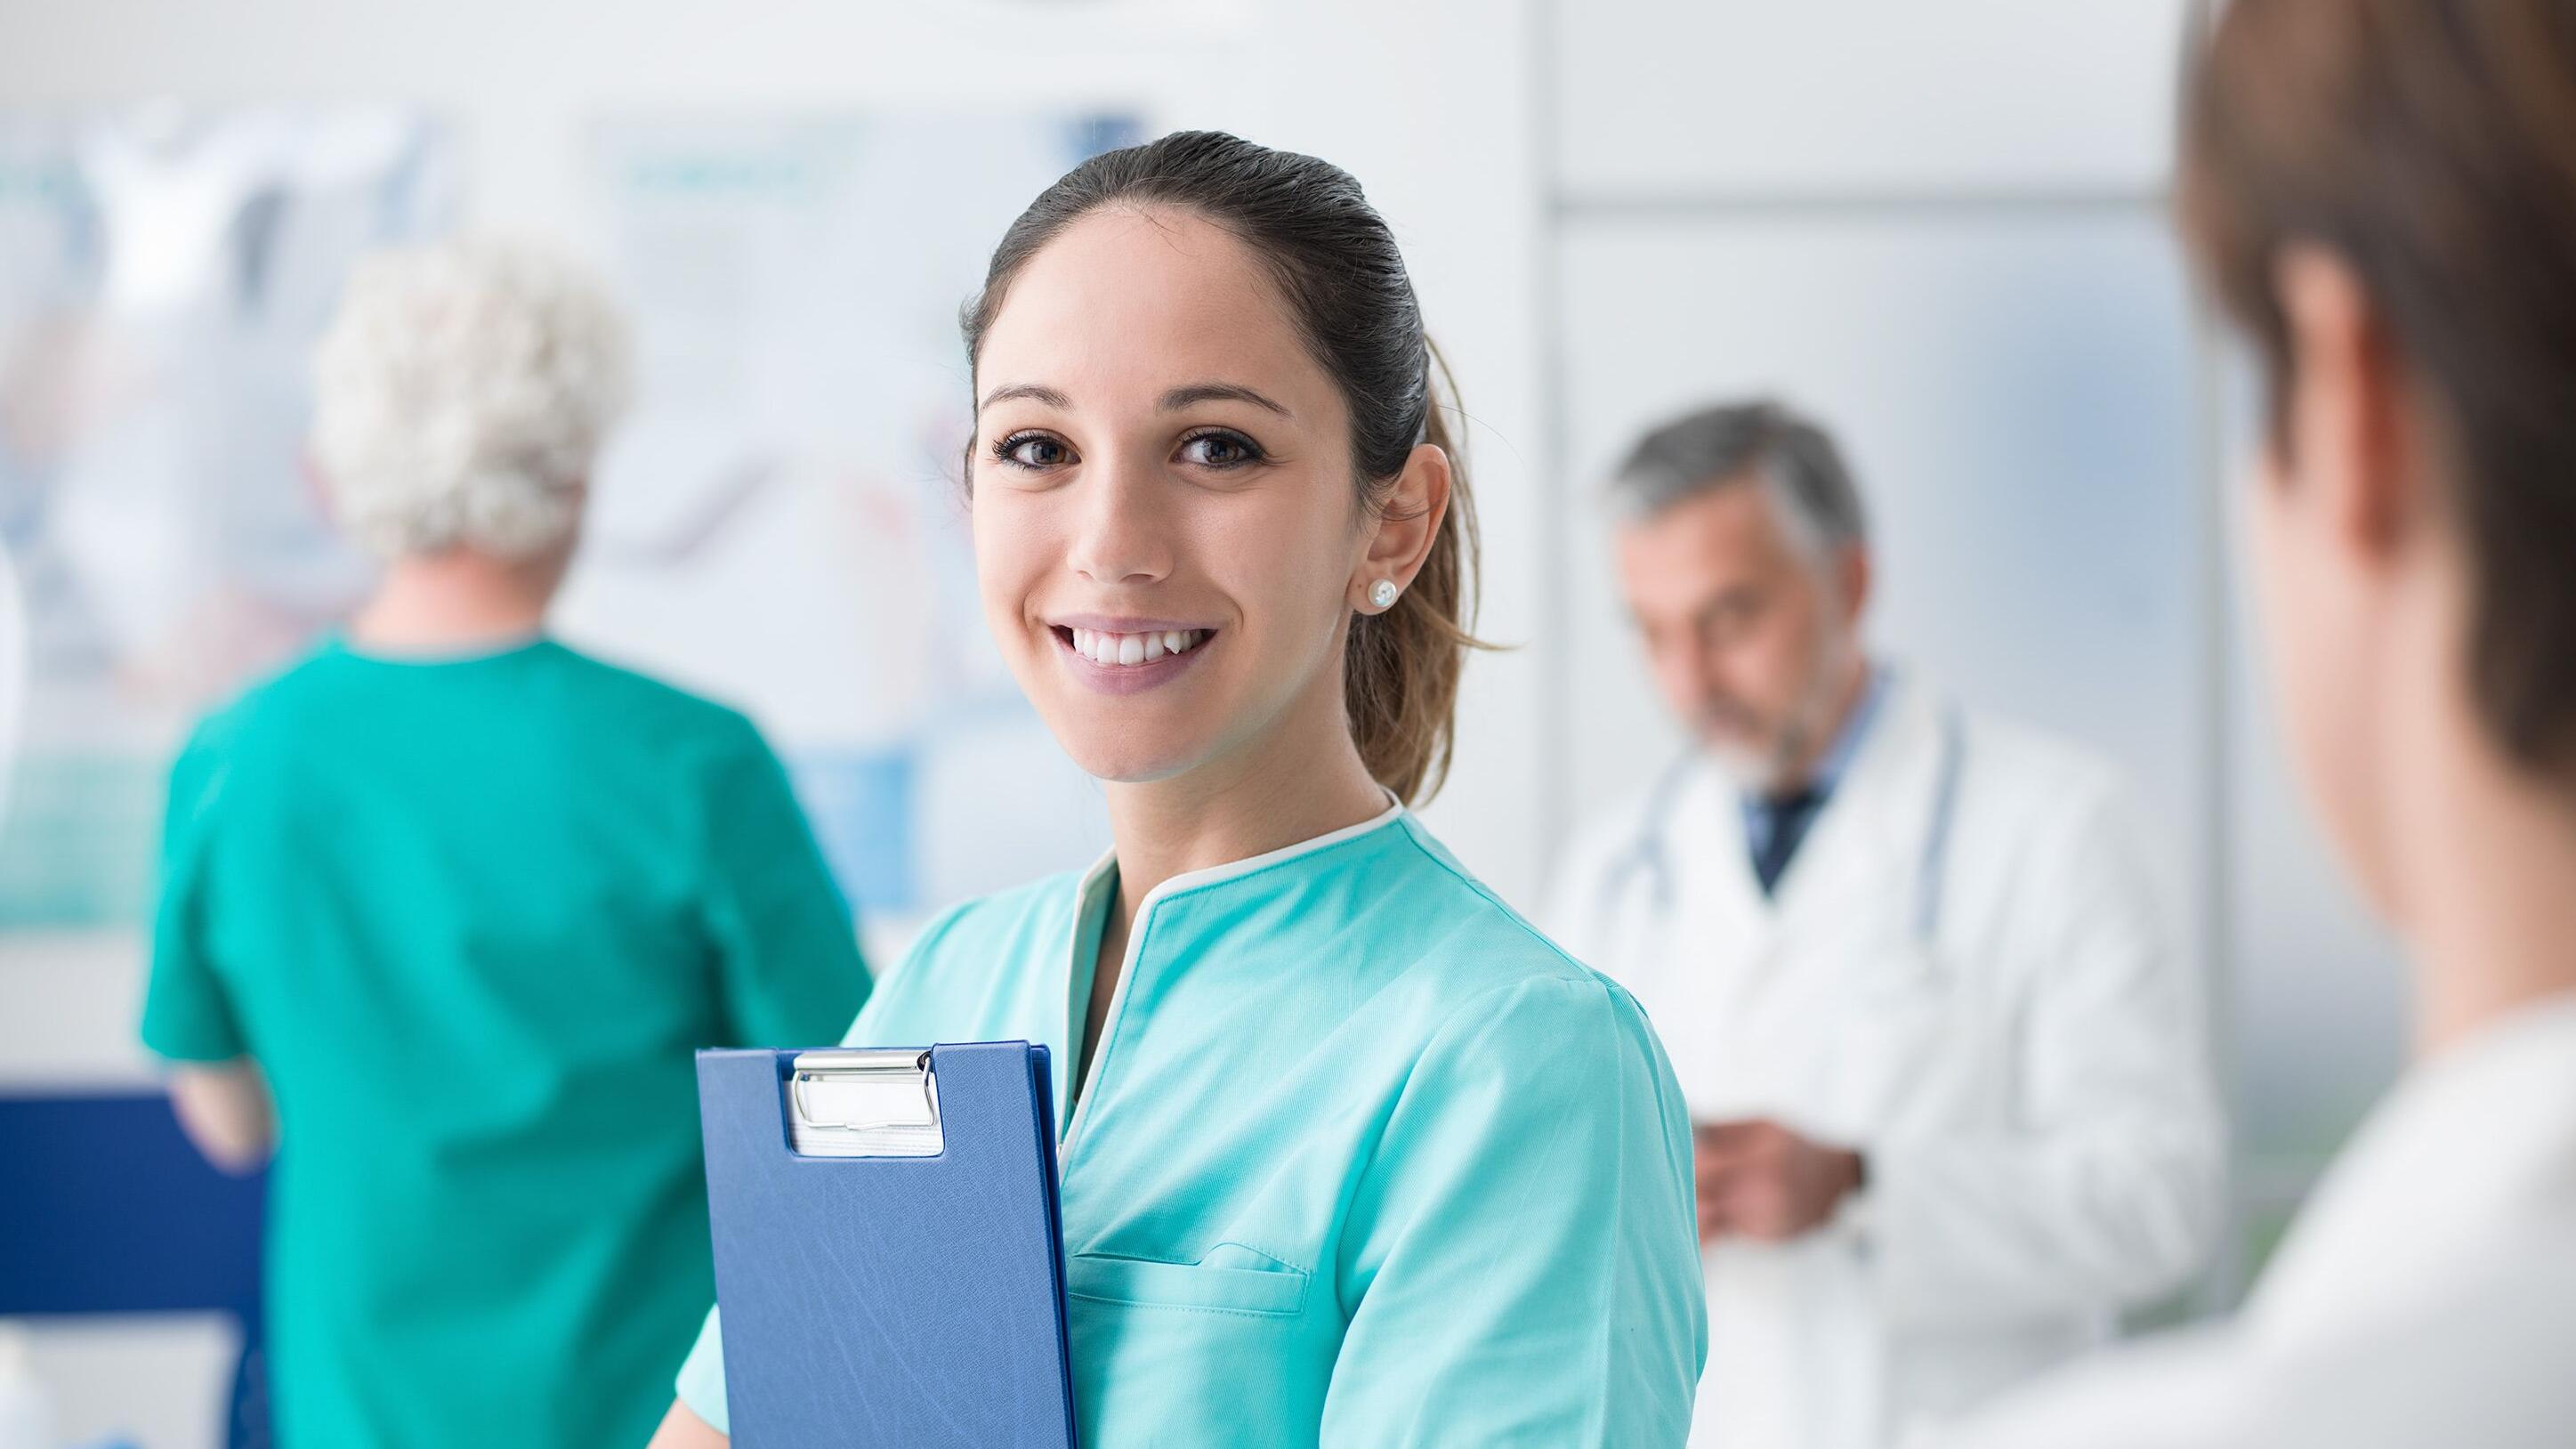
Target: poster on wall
[[163, 272], [780, 522]]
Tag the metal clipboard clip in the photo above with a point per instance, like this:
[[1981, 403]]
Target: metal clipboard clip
[[864, 1104]]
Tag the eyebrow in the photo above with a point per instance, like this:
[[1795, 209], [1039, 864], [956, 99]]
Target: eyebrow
[[1171, 402], [1029, 390], [1182, 397]]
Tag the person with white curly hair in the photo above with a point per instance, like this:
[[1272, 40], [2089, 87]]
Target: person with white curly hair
[[459, 398], [445, 907]]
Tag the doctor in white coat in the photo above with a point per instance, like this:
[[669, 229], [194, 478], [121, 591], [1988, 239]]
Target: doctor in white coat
[[2383, 194], [1932, 1020]]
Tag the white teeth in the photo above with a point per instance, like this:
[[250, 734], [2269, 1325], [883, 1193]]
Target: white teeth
[[1120, 650]]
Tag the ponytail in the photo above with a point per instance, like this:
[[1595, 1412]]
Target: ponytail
[[1400, 672]]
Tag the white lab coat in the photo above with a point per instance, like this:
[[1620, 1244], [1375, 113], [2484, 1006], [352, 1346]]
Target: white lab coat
[[2029, 1081], [2426, 1296]]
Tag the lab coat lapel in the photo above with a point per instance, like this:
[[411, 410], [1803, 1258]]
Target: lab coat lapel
[[1695, 986], [1859, 858], [1730, 903]]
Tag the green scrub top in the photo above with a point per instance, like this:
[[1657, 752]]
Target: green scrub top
[[1363, 1159], [471, 917]]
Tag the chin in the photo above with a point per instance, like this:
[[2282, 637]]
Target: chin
[[1106, 752], [1747, 767], [1120, 766]]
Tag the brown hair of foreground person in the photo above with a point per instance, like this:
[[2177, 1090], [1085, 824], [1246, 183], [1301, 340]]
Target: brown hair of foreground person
[[2431, 144]]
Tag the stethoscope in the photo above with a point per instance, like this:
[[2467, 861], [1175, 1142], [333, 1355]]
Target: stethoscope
[[1650, 853]]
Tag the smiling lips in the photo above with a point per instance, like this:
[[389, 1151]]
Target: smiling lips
[[1126, 661], [1127, 650]]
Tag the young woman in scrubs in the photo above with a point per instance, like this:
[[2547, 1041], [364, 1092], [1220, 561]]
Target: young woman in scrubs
[[1351, 1154]]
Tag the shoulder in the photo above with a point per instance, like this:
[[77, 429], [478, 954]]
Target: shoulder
[[991, 926], [635, 700], [2160, 1393], [2041, 778], [1497, 984], [273, 713], [2481, 1361], [2059, 833], [977, 952]]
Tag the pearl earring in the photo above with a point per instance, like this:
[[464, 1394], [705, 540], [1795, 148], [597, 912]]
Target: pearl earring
[[1383, 594]]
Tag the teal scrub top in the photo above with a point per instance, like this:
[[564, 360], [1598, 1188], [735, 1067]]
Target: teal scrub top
[[470, 917], [1364, 1159]]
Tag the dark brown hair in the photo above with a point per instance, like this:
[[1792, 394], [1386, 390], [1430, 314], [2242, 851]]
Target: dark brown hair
[[2431, 144], [1336, 263]]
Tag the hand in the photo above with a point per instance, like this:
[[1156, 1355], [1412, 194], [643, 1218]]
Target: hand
[[1760, 1180]]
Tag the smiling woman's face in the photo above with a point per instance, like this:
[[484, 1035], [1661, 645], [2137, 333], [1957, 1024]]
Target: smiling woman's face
[[1167, 535]]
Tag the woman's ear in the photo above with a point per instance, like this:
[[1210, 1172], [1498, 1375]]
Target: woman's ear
[[1401, 535]]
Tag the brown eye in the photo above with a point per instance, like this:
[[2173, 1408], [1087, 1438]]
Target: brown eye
[[1033, 450], [1220, 450]]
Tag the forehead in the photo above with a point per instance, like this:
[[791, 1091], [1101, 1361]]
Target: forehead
[[1127, 302], [1729, 532]]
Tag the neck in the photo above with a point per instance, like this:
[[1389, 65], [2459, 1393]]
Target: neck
[[2489, 900], [2477, 858], [1301, 778], [455, 602]]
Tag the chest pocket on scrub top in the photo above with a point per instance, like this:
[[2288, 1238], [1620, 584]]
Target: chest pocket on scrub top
[[1230, 1278]]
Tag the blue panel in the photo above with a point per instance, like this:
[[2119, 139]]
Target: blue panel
[[861, 804]]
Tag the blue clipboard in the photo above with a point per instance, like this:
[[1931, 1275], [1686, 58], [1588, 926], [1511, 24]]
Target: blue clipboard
[[889, 1258]]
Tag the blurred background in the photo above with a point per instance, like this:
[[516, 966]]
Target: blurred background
[[1939, 225]]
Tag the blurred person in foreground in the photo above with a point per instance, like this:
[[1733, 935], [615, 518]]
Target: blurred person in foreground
[[2382, 194], [446, 906], [1939, 1040]]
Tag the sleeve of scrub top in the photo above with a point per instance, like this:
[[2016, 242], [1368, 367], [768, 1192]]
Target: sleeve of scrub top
[[2109, 1193], [187, 1013], [1520, 1264], [787, 947]]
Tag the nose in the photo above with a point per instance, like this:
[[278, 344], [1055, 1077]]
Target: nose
[[1121, 531]]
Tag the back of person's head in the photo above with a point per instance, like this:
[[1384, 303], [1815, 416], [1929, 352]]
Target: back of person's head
[[2430, 147], [461, 394], [1336, 264]]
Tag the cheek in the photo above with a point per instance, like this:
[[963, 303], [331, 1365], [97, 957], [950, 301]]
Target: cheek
[[1285, 563], [2304, 653], [2315, 653], [1781, 657], [1010, 547]]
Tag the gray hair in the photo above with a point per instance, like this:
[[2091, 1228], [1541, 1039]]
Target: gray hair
[[1728, 443], [461, 394]]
